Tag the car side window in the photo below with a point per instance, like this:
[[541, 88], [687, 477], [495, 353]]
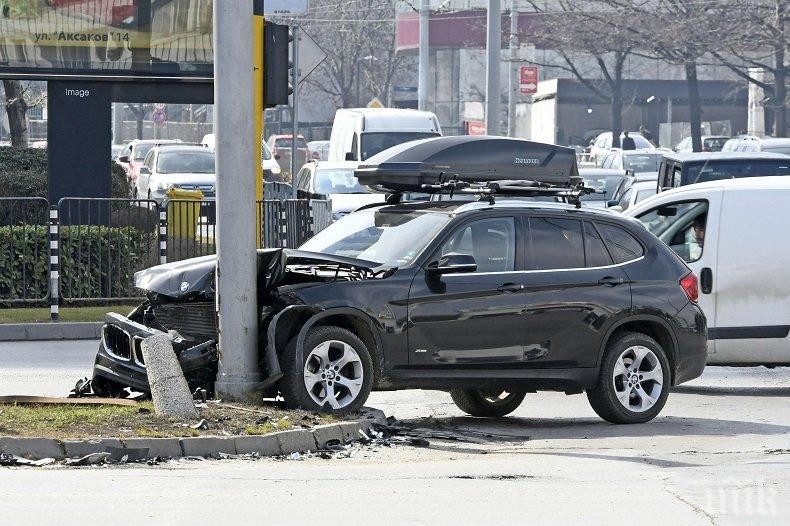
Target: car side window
[[148, 161], [303, 179], [492, 242], [682, 226], [606, 161], [617, 162], [595, 250], [555, 244], [623, 246]]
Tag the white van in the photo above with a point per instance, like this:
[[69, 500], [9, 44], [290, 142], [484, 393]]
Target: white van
[[733, 234], [358, 134]]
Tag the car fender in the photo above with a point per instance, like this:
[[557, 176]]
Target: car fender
[[640, 317], [345, 311]]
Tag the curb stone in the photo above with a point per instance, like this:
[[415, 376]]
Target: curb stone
[[281, 443], [10, 332]]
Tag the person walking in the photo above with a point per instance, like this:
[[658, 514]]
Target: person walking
[[628, 142]]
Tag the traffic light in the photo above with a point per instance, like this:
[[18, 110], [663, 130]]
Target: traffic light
[[276, 65]]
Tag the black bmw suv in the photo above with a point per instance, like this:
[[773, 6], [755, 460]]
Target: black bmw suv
[[489, 301]]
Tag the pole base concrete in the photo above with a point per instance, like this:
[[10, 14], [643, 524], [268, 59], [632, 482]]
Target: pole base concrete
[[241, 388]]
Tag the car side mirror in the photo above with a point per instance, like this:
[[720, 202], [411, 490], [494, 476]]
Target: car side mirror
[[453, 263], [144, 170], [613, 202], [123, 159], [351, 156], [667, 211]]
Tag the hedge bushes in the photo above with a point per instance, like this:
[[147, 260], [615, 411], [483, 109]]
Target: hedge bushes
[[96, 262], [23, 173]]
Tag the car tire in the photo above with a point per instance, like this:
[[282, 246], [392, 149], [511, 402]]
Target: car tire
[[307, 380], [633, 382], [487, 403]]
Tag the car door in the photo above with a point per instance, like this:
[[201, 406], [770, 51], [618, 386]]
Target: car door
[[688, 224], [475, 317], [574, 291], [144, 180]]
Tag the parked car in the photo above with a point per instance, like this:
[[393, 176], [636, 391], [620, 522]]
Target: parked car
[[740, 143], [280, 147], [319, 150], [710, 143], [602, 145], [732, 234], [180, 167], [487, 299], [636, 192], [338, 183], [635, 161], [361, 133], [134, 154], [271, 169], [776, 145], [602, 180], [680, 169]]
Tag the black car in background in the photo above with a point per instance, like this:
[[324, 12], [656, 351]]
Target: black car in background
[[487, 300]]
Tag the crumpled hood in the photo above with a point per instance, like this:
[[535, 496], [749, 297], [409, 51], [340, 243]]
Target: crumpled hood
[[182, 279]]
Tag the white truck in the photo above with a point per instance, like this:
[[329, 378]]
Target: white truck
[[360, 133], [733, 235]]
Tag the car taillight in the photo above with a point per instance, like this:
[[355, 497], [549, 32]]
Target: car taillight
[[690, 286]]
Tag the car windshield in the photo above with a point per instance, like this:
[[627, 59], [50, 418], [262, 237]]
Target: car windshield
[[141, 150], [198, 162], [641, 195], [714, 171], [385, 237], [715, 144], [337, 181], [606, 184], [376, 142], [642, 162]]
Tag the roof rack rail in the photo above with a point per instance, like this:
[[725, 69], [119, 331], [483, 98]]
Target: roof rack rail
[[490, 189]]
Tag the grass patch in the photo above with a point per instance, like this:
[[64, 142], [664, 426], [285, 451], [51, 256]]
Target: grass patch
[[67, 314], [75, 421]]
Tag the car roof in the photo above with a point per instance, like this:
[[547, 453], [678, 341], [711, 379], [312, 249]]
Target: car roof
[[723, 156], [336, 165], [773, 182], [643, 151], [185, 148], [155, 141], [777, 141], [601, 172], [464, 207]]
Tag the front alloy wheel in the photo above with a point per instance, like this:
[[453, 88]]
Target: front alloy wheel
[[334, 374]]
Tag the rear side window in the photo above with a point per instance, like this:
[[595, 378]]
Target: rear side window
[[623, 246], [556, 244], [594, 248]]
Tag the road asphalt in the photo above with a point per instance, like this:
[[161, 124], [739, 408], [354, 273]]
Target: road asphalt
[[718, 454]]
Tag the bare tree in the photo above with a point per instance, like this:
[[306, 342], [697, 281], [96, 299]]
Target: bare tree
[[139, 111], [679, 32], [359, 39], [759, 41], [19, 99], [580, 33]]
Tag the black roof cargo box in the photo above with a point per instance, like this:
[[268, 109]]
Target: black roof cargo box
[[473, 159]]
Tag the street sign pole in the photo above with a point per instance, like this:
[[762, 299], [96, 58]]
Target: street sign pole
[[295, 106], [493, 62], [258, 24], [238, 376]]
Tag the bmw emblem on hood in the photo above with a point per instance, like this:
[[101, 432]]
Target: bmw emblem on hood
[[184, 286]]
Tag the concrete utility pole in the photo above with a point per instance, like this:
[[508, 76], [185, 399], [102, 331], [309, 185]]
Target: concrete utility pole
[[512, 74], [425, 55], [295, 105], [238, 374], [493, 59]]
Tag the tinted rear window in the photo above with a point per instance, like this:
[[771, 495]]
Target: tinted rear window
[[623, 246], [594, 248], [556, 244]]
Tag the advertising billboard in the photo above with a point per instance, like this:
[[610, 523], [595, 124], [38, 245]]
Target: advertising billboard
[[48, 39]]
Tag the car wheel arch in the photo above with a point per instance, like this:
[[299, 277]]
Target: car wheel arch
[[355, 321], [655, 327]]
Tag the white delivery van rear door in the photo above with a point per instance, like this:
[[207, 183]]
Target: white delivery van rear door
[[751, 278], [688, 221]]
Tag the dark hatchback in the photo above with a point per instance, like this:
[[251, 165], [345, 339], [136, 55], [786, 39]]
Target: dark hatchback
[[487, 301]]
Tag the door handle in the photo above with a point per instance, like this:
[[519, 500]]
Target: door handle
[[510, 287], [706, 280], [611, 281]]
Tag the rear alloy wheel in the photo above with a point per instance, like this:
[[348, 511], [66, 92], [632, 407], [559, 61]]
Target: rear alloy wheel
[[487, 402], [634, 380], [335, 374]]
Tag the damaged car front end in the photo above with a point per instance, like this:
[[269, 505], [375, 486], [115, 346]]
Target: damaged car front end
[[181, 302]]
